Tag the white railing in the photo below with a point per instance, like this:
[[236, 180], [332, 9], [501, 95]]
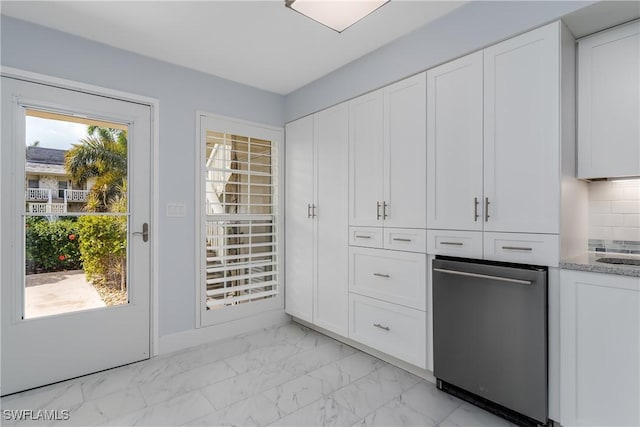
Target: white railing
[[54, 208], [39, 194], [75, 195]]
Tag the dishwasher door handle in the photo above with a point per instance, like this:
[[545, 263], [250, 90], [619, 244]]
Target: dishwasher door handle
[[484, 276]]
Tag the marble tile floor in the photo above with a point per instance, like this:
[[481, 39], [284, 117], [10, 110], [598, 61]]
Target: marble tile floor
[[283, 376]]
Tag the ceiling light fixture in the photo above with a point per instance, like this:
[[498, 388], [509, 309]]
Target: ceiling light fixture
[[335, 14]]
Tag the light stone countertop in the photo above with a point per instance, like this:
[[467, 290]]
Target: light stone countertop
[[587, 262]]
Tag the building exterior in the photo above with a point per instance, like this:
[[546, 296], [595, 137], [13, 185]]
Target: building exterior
[[48, 187]]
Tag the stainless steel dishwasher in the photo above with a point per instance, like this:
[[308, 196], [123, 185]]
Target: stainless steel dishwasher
[[490, 336]]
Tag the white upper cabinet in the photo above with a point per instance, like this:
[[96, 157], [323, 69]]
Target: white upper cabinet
[[405, 154], [609, 103], [387, 156], [366, 159], [522, 133], [299, 222], [454, 144], [331, 140]]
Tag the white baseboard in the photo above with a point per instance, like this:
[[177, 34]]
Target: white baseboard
[[204, 335], [423, 373]]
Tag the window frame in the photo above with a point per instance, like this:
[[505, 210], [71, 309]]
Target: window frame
[[217, 123]]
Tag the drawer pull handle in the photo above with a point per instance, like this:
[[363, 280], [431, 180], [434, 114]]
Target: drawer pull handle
[[398, 239], [381, 275], [378, 210], [452, 243], [378, 325], [516, 248], [362, 237]]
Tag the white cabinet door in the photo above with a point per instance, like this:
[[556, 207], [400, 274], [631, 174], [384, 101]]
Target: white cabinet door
[[405, 153], [609, 103], [600, 350], [299, 223], [454, 144], [521, 133], [365, 159], [331, 140]]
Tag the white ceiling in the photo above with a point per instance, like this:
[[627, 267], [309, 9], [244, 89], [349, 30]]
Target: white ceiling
[[258, 43]]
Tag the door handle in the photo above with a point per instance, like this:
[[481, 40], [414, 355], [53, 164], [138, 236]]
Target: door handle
[[475, 209], [313, 211], [377, 210], [308, 210], [486, 209], [144, 232], [384, 210]]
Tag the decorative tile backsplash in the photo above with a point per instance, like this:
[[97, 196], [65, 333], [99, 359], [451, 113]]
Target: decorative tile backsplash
[[614, 216]]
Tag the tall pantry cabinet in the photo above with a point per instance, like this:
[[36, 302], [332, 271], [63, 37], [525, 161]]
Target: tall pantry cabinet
[[494, 151], [317, 219]]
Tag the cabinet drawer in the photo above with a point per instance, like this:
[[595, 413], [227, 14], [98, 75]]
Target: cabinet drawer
[[370, 237], [393, 276], [466, 244], [393, 329], [405, 239], [537, 249]]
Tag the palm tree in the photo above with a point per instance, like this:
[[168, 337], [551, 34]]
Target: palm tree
[[102, 155]]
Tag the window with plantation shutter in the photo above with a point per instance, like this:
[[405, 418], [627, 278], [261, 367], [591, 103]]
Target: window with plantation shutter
[[239, 194]]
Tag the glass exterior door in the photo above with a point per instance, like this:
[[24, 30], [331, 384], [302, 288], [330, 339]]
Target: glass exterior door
[[75, 261]]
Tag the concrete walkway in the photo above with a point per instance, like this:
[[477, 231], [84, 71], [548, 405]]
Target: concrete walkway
[[59, 292]]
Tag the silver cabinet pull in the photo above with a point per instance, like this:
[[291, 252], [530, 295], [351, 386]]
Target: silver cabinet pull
[[475, 209], [377, 210], [362, 237], [398, 239], [452, 243], [313, 211], [144, 232], [486, 209], [483, 276], [517, 248], [384, 210], [308, 210], [378, 325], [381, 275]]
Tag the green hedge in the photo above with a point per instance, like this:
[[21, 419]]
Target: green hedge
[[52, 245], [104, 247]]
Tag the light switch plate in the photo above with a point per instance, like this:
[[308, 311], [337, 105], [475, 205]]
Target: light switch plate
[[176, 209]]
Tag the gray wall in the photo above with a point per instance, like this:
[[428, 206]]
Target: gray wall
[[464, 30], [181, 92]]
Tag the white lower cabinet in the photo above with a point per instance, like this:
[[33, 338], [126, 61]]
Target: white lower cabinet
[[393, 329], [388, 298], [393, 276], [600, 349], [464, 244], [523, 248]]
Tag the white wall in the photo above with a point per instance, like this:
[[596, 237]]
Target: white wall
[[471, 27], [181, 92]]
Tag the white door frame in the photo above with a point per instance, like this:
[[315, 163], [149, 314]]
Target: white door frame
[[154, 104]]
